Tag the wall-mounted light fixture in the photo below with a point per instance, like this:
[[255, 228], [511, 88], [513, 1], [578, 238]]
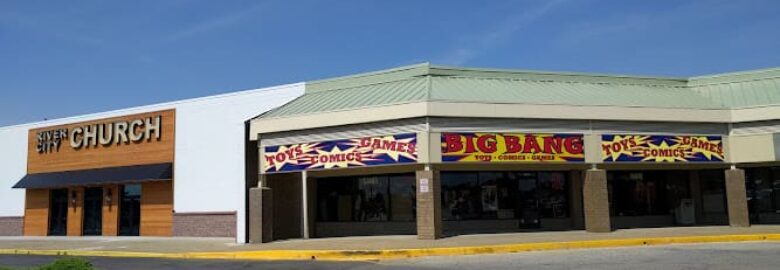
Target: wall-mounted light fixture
[[73, 196], [108, 196]]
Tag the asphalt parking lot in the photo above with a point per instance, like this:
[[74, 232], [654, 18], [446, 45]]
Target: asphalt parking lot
[[751, 255]]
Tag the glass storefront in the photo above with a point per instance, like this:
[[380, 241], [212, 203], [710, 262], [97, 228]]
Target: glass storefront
[[763, 194], [366, 198], [524, 196], [645, 193], [713, 197]]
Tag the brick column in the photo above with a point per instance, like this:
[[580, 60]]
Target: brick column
[[261, 229], [429, 225], [595, 196], [736, 198]]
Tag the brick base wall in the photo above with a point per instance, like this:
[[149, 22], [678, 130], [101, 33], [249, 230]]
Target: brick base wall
[[11, 226], [207, 224]]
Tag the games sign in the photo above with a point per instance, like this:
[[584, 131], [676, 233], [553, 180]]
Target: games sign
[[366, 151], [661, 148], [511, 147]]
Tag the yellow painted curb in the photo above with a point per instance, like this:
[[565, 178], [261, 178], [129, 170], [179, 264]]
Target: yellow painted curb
[[366, 255]]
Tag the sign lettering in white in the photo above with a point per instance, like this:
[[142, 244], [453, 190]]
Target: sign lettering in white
[[104, 134]]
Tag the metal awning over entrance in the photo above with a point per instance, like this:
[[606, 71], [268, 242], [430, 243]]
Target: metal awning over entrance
[[137, 173]]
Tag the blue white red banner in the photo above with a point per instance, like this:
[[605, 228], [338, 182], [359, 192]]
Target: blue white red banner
[[661, 148], [367, 151]]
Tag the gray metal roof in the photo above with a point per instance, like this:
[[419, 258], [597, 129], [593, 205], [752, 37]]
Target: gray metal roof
[[425, 82]]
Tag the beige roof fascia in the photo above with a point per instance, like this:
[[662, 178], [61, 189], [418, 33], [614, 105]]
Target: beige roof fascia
[[458, 109]]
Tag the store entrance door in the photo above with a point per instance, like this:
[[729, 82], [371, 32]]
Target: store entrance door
[[130, 210], [58, 212], [93, 211], [528, 203]]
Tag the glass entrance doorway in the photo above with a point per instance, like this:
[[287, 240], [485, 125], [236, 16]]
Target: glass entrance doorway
[[130, 210], [58, 212], [93, 211], [528, 203], [505, 201]]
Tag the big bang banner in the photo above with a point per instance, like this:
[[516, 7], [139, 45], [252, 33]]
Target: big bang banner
[[661, 148], [511, 147], [367, 151]]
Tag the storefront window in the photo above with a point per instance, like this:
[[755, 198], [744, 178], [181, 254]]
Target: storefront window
[[504, 195], [366, 198], [403, 197], [763, 186], [647, 193], [713, 191], [552, 190]]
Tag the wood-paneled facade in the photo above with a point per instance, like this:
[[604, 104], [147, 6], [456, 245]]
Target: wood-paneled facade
[[156, 213]]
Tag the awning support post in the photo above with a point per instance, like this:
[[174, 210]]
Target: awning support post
[[305, 204]]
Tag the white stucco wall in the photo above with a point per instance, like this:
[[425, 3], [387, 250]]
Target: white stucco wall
[[13, 166], [209, 173]]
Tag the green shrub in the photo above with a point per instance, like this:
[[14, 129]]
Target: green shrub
[[68, 264]]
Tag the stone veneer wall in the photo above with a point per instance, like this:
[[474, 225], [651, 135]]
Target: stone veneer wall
[[205, 224], [11, 226]]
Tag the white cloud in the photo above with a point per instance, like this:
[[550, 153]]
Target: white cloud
[[213, 24], [474, 45]]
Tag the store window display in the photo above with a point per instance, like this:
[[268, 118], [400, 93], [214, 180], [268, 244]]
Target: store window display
[[644, 193], [366, 198], [763, 194], [525, 196]]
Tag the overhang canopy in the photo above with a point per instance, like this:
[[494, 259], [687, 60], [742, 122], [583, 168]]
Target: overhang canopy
[[137, 173]]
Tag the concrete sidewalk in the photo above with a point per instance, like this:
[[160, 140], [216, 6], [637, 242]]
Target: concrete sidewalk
[[367, 243]]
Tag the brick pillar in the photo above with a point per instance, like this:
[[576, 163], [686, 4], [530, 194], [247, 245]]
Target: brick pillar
[[261, 229], [575, 197], [736, 198], [429, 225], [595, 197]]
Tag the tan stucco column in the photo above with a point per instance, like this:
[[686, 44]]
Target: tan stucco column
[[261, 229], [595, 197], [429, 224], [736, 198]]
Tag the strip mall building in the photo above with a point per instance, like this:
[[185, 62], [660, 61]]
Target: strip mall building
[[423, 149]]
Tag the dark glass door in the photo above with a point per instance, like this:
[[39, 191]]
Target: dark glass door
[[130, 210], [528, 203], [93, 211], [58, 212]]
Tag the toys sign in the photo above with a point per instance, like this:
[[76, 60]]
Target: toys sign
[[366, 151]]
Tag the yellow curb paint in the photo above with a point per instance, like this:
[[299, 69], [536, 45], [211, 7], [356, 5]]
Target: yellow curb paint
[[370, 255]]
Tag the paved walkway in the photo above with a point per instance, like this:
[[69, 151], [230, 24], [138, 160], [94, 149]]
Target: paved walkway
[[176, 245]]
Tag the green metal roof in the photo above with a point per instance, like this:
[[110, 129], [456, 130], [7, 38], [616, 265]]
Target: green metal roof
[[488, 90], [425, 82], [387, 93], [741, 89]]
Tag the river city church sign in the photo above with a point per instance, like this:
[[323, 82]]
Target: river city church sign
[[100, 134]]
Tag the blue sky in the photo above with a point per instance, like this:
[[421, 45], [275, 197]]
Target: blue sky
[[64, 58]]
